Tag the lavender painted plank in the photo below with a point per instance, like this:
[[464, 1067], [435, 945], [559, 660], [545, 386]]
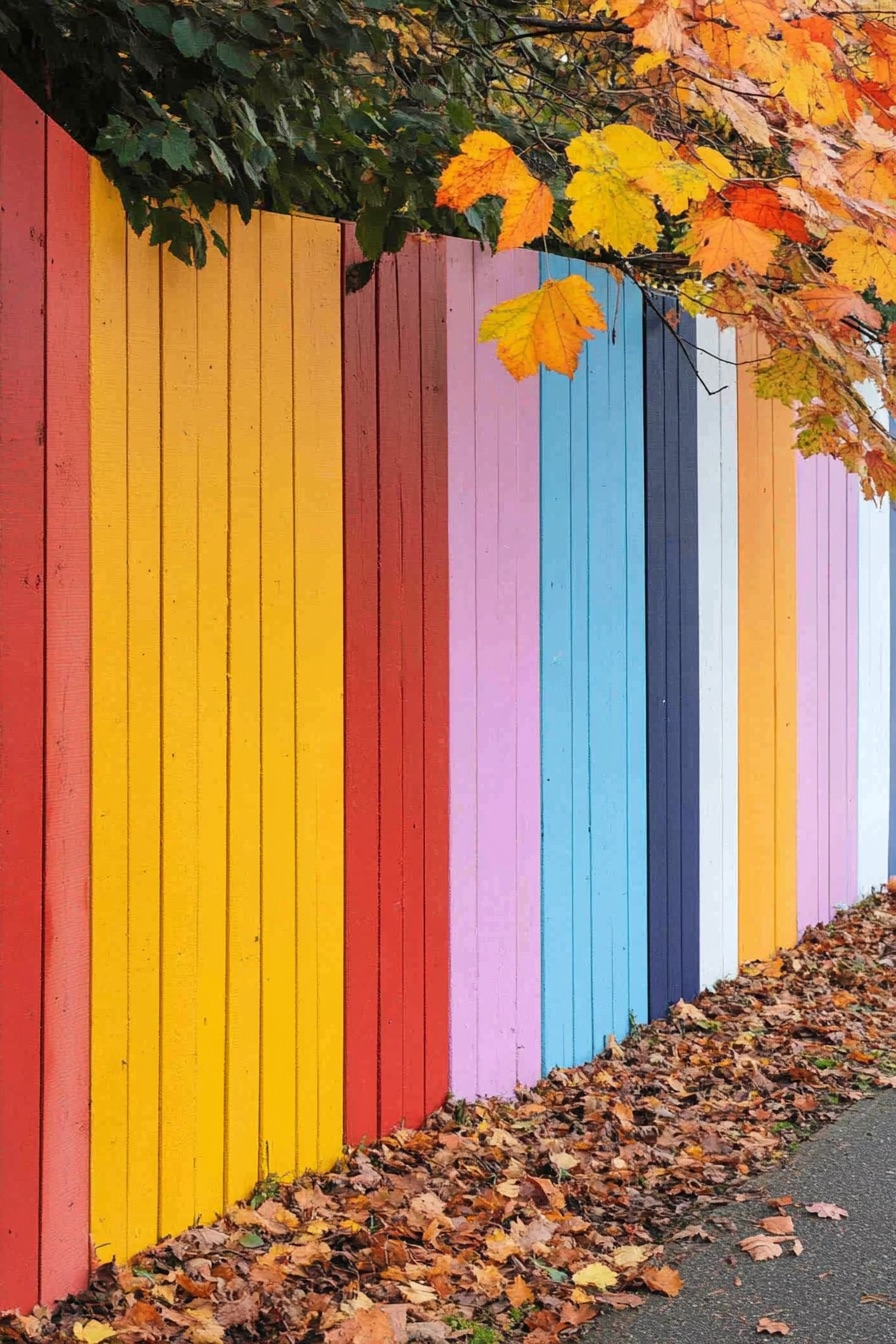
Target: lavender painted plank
[[493, 452], [716, 359], [827, 680]]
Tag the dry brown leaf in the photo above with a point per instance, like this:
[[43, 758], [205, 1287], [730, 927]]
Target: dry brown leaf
[[620, 1301], [770, 1327], [368, 1326], [781, 1225], [664, 1280], [823, 1210], [518, 1292], [760, 1247]]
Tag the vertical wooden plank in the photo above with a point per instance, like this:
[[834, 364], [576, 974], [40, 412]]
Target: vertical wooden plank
[[109, 718], [318, 546], [144, 692], [278, 745], [851, 876], [213, 354], [241, 1135], [362, 742], [22, 572], [892, 742], [493, 504], [873, 667], [811, 688], [180, 779], [821, 896], [593, 706], [673, 711], [767, 668], [717, 560], [841, 574], [66, 1009], [434, 473]]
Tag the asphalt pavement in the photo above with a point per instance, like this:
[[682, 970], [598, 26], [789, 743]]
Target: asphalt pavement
[[819, 1294]]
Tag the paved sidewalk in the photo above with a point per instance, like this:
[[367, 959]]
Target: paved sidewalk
[[851, 1163]]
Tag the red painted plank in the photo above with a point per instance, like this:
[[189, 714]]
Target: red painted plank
[[434, 429], [361, 708], [65, 1245], [22, 142]]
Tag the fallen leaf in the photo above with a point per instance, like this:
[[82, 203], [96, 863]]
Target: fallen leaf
[[694, 1232], [767, 1326], [629, 1257], [518, 1292], [595, 1275], [92, 1332], [823, 1210], [761, 1247], [665, 1280], [620, 1301], [779, 1226], [368, 1326]]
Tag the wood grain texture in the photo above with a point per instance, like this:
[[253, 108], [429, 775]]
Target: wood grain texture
[[65, 1151], [673, 660], [767, 682], [493, 513], [593, 706], [827, 665], [396, 594], [717, 559], [22, 578], [873, 727]]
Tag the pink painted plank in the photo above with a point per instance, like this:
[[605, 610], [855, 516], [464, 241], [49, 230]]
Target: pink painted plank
[[842, 540], [807, 671], [65, 1245], [494, 694], [822, 621]]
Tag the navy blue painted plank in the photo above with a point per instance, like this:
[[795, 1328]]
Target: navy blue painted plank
[[673, 801]]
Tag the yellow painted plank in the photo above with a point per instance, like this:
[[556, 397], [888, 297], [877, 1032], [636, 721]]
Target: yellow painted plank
[[784, 474], [109, 597], [317, 378], [143, 736], [213, 356], [278, 754], [244, 739], [177, 1201]]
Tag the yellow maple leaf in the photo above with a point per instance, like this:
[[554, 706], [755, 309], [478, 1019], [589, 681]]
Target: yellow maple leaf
[[618, 212], [859, 260], [92, 1332], [636, 152], [720, 169], [595, 1275], [488, 166], [676, 183], [546, 326], [716, 243]]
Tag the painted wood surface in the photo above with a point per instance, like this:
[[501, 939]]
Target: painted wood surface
[[873, 729], [217, 700], [66, 987], [673, 658], [827, 661], [715, 357], [594, 792], [767, 682], [396, 689], [493, 517]]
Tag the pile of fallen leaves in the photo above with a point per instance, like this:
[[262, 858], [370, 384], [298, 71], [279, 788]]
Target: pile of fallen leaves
[[530, 1217]]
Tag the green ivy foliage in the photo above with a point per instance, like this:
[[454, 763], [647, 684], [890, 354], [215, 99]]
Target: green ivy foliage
[[340, 108]]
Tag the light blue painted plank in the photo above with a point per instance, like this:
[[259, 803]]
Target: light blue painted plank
[[593, 687]]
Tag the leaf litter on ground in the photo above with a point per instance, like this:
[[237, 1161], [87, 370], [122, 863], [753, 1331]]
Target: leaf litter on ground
[[524, 1219]]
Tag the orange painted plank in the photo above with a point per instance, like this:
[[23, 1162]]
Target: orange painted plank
[[767, 668]]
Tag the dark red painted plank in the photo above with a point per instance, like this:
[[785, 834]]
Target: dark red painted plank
[[65, 1243], [362, 830], [22, 139], [396, 692], [435, 655]]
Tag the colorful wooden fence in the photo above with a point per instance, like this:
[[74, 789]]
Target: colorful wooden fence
[[373, 727]]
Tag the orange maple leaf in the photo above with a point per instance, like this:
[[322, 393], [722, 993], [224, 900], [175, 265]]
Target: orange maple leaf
[[488, 166], [834, 303], [717, 243], [762, 206], [665, 1280], [546, 326]]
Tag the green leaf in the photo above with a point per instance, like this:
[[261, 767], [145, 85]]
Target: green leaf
[[370, 230], [237, 57], [219, 159], [190, 39], [154, 18], [177, 148], [251, 1241]]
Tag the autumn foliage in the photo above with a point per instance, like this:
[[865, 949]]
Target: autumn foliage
[[741, 153]]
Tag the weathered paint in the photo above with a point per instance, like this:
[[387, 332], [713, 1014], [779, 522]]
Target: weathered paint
[[715, 358], [827, 595], [493, 515], [396, 682], [767, 689], [673, 654], [873, 730], [217, 664], [594, 793]]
